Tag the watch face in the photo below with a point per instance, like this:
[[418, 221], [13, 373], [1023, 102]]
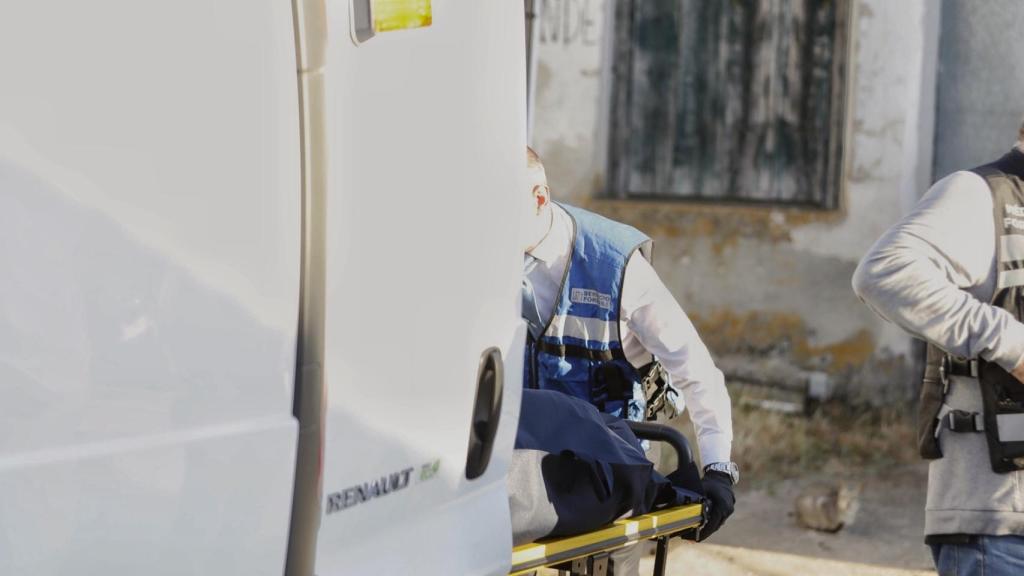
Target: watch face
[[729, 468]]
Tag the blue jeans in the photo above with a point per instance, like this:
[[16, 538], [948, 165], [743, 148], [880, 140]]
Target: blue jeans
[[983, 556]]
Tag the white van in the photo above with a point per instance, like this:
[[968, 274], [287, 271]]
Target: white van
[[259, 285]]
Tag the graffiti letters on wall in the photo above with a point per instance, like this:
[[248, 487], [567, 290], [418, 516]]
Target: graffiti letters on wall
[[569, 22]]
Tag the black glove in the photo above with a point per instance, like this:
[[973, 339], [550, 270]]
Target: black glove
[[720, 501]]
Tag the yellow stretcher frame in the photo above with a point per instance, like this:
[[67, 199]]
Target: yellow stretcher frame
[[587, 554], [556, 551]]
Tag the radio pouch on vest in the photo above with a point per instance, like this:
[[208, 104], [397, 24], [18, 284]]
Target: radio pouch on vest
[[1003, 413], [610, 383]]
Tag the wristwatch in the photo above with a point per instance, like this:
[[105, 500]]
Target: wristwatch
[[730, 469]]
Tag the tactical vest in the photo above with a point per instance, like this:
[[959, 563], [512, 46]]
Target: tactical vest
[[580, 352], [1002, 418]]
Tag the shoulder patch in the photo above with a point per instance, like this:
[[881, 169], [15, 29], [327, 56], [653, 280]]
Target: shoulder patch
[[593, 297]]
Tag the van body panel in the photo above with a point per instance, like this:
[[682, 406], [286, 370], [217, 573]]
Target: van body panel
[[149, 242]]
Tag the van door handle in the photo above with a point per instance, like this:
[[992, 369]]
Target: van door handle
[[361, 14], [490, 384]]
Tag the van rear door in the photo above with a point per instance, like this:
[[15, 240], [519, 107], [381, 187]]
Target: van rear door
[[425, 137]]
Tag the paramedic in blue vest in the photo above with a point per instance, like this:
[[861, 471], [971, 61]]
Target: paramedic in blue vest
[[598, 311]]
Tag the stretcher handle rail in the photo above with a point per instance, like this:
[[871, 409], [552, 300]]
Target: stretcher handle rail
[[686, 469], [667, 434]]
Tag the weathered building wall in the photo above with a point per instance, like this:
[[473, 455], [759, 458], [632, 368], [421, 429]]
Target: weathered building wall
[[981, 91], [769, 288], [571, 99]]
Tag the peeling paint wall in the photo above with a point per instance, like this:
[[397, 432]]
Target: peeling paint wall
[[768, 287]]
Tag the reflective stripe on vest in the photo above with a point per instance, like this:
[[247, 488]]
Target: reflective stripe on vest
[[599, 333], [1010, 250]]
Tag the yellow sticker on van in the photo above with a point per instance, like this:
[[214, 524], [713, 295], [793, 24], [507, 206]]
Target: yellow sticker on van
[[401, 14]]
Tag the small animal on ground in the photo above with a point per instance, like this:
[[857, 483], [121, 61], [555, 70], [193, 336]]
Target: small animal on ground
[[828, 506]]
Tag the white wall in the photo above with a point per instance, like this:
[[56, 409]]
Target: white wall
[[569, 123]]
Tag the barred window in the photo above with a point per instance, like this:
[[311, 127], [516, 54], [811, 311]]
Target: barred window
[[728, 100]]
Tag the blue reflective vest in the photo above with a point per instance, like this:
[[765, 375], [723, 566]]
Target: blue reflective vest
[[580, 349]]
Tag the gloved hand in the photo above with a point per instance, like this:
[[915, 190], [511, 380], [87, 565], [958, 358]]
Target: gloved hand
[[721, 501]]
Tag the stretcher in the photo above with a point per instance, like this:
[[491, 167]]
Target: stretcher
[[587, 554]]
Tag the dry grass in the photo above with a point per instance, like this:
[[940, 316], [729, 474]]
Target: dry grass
[[769, 446]]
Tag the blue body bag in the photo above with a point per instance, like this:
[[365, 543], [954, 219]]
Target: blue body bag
[[575, 470]]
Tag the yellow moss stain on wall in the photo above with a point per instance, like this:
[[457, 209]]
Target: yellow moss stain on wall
[[725, 331], [849, 353], [722, 224], [781, 334]]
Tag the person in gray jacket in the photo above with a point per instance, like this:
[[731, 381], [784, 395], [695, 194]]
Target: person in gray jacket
[[952, 273]]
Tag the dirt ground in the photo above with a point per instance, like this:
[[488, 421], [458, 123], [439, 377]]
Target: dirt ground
[[708, 559], [762, 537], [779, 455]]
